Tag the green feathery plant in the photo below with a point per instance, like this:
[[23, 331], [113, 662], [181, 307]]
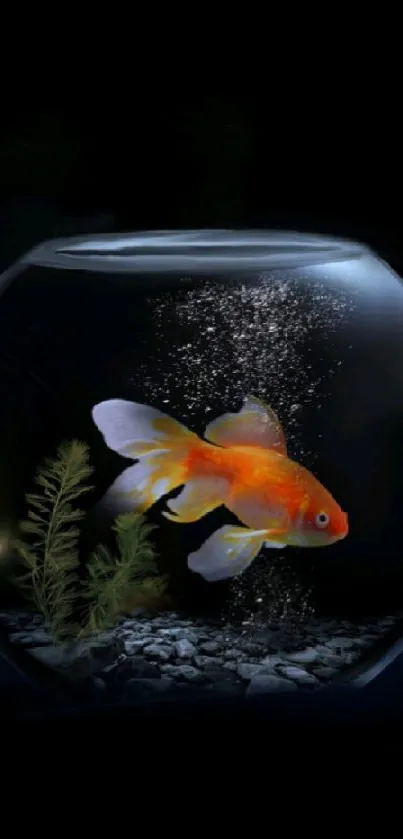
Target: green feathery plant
[[48, 545], [49, 559], [114, 580]]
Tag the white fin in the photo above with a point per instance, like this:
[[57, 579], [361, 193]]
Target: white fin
[[132, 429], [199, 497], [161, 445], [136, 488], [274, 544], [228, 552], [255, 424]]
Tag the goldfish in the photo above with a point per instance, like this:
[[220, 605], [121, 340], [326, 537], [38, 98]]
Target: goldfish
[[241, 462]]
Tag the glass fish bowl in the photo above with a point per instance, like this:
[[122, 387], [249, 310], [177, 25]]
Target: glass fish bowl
[[200, 458]]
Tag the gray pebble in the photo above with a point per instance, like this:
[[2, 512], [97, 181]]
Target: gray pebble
[[136, 667], [208, 661], [299, 675], [253, 650], [158, 652], [36, 637], [339, 643], [266, 684], [188, 673], [308, 656], [210, 647], [184, 649], [248, 671], [179, 633], [169, 670], [132, 645], [171, 632], [232, 654], [272, 661]]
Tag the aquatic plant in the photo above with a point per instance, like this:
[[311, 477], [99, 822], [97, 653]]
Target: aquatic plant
[[131, 576], [48, 570], [48, 543]]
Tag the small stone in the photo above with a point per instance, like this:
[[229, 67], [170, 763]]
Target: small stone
[[339, 643], [140, 627], [248, 671], [136, 667], [184, 649], [208, 661], [173, 632], [269, 683], [179, 633], [222, 679], [36, 637], [230, 665], [307, 656], [168, 670], [192, 637], [299, 675], [272, 661], [232, 655], [253, 649], [188, 673], [160, 653], [222, 639], [210, 647], [133, 645], [19, 637]]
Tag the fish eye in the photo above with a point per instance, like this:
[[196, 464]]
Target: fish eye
[[322, 519]]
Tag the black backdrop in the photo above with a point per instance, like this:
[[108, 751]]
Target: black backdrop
[[177, 161]]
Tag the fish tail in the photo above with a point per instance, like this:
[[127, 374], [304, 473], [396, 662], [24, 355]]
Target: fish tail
[[161, 445]]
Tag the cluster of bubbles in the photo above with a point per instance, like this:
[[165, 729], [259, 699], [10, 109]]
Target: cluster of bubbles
[[217, 342], [272, 592]]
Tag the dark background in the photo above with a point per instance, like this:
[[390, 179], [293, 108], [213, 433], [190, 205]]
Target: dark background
[[223, 160]]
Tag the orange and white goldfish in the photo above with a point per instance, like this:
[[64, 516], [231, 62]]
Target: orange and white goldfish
[[242, 463]]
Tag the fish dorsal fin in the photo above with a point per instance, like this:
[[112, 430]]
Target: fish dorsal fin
[[254, 425]]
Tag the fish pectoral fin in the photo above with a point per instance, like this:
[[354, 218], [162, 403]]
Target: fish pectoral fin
[[227, 552], [199, 497], [255, 424], [276, 538]]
